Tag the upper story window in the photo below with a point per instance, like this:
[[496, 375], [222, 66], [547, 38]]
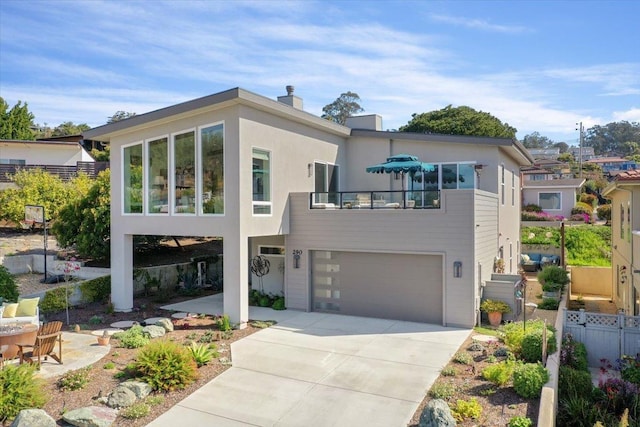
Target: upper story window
[[13, 162], [261, 182], [158, 176], [132, 178], [212, 169], [326, 182], [502, 190], [513, 188], [184, 172], [550, 201], [445, 177]]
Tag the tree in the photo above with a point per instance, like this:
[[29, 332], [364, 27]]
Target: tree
[[101, 155], [536, 141], [120, 115], [565, 158], [37, 187], [563, 146], [461, 120], [611, 138], [17, 122], [69, 128], [346, 105], [85, 223]]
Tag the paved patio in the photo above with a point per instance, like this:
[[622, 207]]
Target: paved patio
[[319, 369]]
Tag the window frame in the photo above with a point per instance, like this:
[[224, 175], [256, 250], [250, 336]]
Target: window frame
[[559, 193], [172, 168], [147, 170], [255, 203], [122, 178], [199, 165]]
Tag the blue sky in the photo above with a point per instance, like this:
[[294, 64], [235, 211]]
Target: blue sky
[[537, 65]]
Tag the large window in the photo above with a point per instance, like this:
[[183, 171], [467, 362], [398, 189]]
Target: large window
[[157, 183], [550, 201], [184, 174], [261, 178], [13, 162], [326, 181], [446, 177], [132, 178], [212, 169]]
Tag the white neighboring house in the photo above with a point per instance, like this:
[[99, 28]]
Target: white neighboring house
[[46, 154], [554, 196], [273, 180]]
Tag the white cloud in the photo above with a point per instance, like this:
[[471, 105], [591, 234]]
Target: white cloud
[[632, 115], [479, 24]]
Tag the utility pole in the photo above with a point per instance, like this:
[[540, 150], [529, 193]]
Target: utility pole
[[580, 147]]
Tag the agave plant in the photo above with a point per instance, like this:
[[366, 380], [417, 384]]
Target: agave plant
[[202, 353]]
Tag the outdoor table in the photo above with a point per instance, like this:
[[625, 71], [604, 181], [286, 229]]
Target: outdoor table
[[10, 335]]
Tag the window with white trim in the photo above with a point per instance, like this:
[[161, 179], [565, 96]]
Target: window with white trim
[[212, 169], [550, 201], [132, 199], [502, 184], [158, 176], [184, 173], [261, 181], [513, 188]]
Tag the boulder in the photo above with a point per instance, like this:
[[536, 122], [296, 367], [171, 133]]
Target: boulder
[[139, 388], [91, 416], [436, 414], [154, 331], [33, 418], [121, 397], [166, 324]]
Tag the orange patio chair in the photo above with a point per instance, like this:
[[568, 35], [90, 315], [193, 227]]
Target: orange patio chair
[[48, 334]]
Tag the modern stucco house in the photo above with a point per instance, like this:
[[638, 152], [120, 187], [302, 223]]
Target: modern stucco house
[[625, 235], [271, 179], [554, 196]]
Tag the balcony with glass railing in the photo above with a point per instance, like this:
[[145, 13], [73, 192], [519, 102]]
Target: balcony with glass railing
[[399, 199]]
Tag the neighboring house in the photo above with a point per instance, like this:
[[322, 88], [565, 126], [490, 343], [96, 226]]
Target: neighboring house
[[273, 180], [624, 193], [534, 173], [544, 153], [587, 153], [555, 197], [613, 164], [64, 158]]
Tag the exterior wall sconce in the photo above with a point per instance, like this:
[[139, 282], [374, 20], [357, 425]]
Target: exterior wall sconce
[[309, 170], [457, 269], [296, 258]]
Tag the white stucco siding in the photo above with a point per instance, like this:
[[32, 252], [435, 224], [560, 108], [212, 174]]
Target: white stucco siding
[[448, 231], [44, 154], [292, 147], [509, 213]]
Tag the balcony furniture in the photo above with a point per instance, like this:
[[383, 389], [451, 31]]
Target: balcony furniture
[[12, 335], [44, 344]]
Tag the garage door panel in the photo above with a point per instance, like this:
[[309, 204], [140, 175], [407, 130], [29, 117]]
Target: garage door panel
[[394, 286]]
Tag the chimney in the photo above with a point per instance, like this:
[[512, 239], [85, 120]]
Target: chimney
[[290, 99]]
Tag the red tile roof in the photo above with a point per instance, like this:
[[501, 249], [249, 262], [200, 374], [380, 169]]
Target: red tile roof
[[633, 175]]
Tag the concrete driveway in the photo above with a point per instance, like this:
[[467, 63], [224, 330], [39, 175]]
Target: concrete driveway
[[315, 369]]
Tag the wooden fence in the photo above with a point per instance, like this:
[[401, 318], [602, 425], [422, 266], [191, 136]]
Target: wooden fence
[[64, 172]]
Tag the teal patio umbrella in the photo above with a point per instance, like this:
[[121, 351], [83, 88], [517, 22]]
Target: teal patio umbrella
[[400, 163]]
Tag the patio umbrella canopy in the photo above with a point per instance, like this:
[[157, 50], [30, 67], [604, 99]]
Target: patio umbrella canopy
[[400, 163]]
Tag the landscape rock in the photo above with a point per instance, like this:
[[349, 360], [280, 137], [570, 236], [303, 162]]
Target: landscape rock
[[33, 418], [166, 324], [154, 331], [436, 414], [139, 388], [91, 416], [121, 397]]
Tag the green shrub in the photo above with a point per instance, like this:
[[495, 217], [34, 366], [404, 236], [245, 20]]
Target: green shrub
[[224, 324], [166, 365], [520, 422], [135, 411], [154, 400], [20, 389], [463, 358], [96, 290], [588, 245], [442, 390], [577, 411], [134, 337], [74, 380], [278, 304], [95, 320], [208, 336], [604, 212], [528, 379], [8, 287], [449, 371], [202, 354], [573, 354], [109, 365], [514, 334], [491, 306], [499, 373], [55, 300], [553, 274], [532, 345], [531, 208], [572, 382], [582, 208], [464, 409], [630, 369], [549, 304], [589, 199]]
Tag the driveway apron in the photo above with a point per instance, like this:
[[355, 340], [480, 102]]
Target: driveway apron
[[316, 369]]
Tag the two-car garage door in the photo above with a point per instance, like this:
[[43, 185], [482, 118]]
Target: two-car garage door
[[391, 286]]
